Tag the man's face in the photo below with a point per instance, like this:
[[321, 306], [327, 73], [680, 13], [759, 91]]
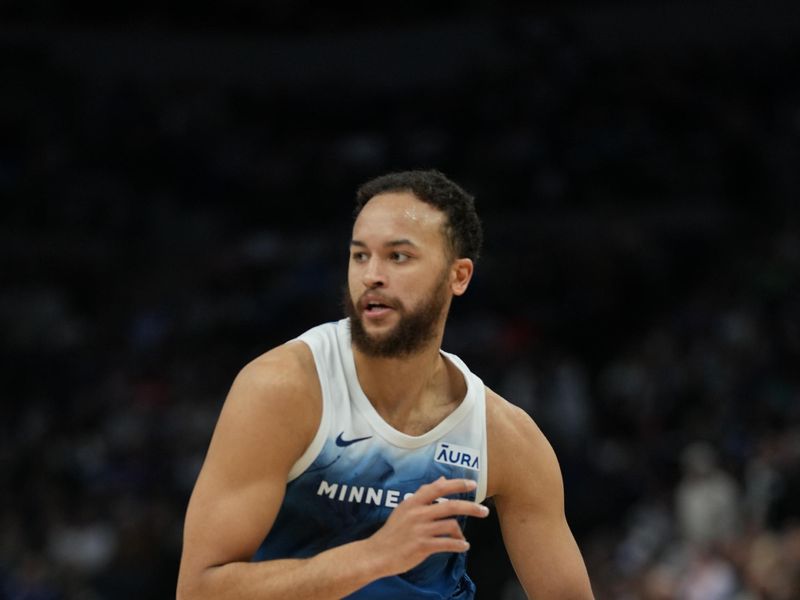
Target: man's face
[[399, 276]]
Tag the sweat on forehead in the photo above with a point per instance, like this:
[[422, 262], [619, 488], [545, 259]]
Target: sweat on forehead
[[403, 215], [403, 205]]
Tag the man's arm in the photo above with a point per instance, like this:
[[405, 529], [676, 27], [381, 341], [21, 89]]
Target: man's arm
[[270, 416], [525, 482]]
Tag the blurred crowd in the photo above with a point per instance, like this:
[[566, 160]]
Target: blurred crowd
[[639, 296]]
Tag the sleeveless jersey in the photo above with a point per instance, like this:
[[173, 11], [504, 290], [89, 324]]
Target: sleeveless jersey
[[358, 468]]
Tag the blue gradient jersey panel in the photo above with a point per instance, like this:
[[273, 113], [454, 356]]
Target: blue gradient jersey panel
[[358, 468]]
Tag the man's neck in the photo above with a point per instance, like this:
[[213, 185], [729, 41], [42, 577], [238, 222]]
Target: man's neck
[[410, 393]]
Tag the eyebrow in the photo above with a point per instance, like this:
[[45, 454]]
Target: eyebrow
[[390, 244]]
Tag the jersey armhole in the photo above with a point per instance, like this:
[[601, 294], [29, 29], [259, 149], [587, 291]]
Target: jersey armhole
[[483, 473], [315, 447]]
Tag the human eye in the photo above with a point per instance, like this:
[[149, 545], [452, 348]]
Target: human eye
[[359, 256], [399, 257]]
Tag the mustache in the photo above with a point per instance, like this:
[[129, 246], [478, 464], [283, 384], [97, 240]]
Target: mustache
[[352, 307], [371, 296]]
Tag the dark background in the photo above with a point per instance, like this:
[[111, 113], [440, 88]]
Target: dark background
[[178, 183]]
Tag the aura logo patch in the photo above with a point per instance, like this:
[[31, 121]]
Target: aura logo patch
[[459, 456]]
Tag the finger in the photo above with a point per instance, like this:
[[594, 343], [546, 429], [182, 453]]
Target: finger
[[451, 508], [443, 487], [448, 527], [446, 544]]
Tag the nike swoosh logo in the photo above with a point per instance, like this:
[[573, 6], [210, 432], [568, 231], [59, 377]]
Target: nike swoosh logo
[[341, 442]]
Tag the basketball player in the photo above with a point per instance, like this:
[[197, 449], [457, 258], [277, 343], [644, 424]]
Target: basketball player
[[346, 462]]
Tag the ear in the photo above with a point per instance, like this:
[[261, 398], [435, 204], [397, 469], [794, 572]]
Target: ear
[[461, 275]]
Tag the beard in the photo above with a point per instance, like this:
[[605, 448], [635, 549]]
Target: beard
[[412, 332]]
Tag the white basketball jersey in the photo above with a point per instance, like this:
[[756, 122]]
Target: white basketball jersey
[[358, 468]]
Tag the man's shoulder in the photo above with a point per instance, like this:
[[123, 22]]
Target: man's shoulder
[[285, 374], [516, 445], [293, 357], [507, 419]]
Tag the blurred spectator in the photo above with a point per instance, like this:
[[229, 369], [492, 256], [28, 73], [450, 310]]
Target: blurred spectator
[[706, 501]]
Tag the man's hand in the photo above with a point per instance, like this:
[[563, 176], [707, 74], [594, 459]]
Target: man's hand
[[420, 526]]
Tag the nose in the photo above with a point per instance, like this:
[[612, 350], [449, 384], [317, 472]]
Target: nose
[[374, 276]]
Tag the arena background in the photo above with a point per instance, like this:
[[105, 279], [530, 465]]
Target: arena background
[[177, 185]]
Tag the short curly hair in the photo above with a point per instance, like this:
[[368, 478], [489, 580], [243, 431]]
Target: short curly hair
[[463, 227]]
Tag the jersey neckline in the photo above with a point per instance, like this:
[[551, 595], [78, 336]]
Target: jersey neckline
[[386, 431]]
